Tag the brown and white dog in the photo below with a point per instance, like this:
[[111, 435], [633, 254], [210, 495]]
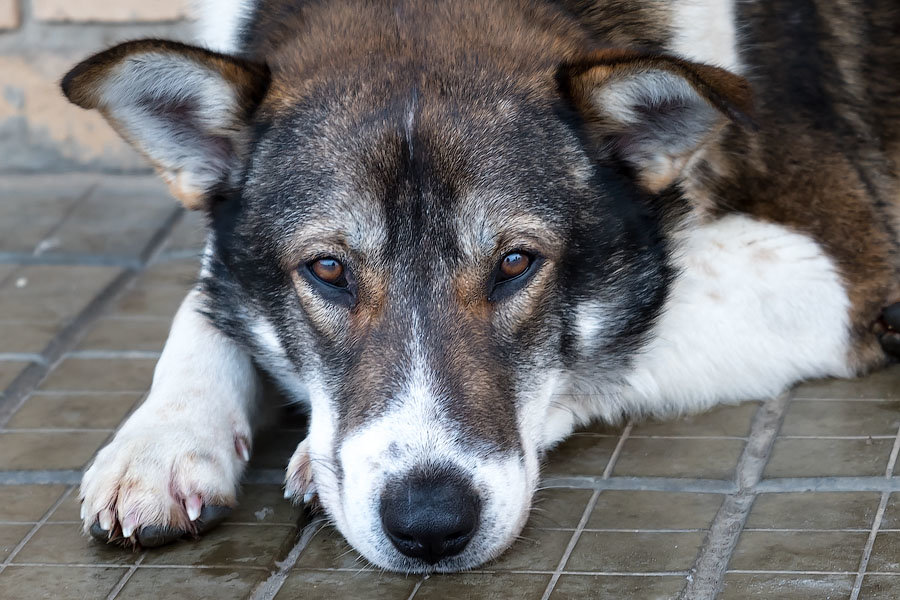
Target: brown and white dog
[[457, 230]]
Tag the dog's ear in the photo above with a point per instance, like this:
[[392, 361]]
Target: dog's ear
[[653, 111], [185, 108]]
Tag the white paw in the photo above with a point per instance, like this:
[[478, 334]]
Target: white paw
[[298, 482], [157, 481]]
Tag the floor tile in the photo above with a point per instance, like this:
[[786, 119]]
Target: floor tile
[[484, 586], [26, 221], [27, 503], [26, 337], [798, 551], [558, 507], [535, 550], [65, 543], [580, 455], [192, 584], [891, 519], [102, 375], [767, 586], [115, 222], [73, 411], [53, 293], [188, 235], [880, 587], [229, 545], [58, 583], [819, 510], [603, 587], [634, 552], [722, 421], [886, 553], [331, 585], [815, 418], [329, 550], [274, 451], [156, 301], [653, 510], [61, 450], [10, 536], [265, 504], [673, 457], [181, 273], [9, 370], [828, 457], [117, 334], [881, 385]]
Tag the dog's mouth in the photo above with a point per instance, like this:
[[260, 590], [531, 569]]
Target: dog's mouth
[[437, 516]]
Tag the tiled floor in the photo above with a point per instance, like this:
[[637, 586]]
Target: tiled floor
[[794, 497]]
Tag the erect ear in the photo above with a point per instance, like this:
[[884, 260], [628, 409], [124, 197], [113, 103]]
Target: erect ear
[[654, 111], [185, 108]]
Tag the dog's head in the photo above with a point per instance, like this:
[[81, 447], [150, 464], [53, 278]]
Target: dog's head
[[430, 249]]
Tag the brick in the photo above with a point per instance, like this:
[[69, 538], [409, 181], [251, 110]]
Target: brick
[[58, 134], [10, 17], [119, 11]]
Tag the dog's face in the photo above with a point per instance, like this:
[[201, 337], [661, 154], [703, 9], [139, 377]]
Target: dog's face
[[431, 260]]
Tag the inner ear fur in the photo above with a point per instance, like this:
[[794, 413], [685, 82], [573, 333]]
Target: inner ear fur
[[652, 110], [185, 108]]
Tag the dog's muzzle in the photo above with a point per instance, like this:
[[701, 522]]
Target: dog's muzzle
[[430, 517]]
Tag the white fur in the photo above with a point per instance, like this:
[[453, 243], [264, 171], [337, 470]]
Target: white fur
[[218, 22], [704, 31], [183, 440], [755, 308]]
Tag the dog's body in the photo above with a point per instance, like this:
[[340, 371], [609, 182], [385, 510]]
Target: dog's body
[[458, 230]]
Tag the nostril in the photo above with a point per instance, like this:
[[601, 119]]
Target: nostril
[[430, 518]]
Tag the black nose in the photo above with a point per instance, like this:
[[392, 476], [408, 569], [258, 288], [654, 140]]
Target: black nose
[[430, 517]]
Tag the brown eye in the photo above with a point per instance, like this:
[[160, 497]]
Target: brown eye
[[513, 265], [329, 271]]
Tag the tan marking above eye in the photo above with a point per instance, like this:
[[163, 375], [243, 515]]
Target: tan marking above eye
[[513, 264], [328, 270]]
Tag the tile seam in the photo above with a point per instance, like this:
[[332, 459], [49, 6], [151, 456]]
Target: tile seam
[[268, 589], [28, 380], [123, 580], [708, 572], [31, 533]]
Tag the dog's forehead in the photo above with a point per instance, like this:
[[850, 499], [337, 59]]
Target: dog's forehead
[[467, 172]]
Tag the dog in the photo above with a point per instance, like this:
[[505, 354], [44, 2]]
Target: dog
[[458, 230]]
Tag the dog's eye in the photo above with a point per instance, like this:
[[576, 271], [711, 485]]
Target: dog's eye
[[513, 265], [511, 274], [330, 271]]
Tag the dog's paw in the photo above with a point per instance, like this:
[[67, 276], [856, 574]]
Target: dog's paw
[[889, 336], [298, 482], [153, 485]]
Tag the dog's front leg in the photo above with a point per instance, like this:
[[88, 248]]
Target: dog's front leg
[[174, 466]]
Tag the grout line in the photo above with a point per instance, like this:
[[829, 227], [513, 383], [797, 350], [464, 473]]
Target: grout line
[[867, 549], [708, 572], [876, 523], [613, 459], [30, 377], [112, 354], [582, 523], [15, 551], [272, 585], [113, 594], [415, 589]]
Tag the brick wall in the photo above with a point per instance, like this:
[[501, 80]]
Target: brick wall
[[39, 41]]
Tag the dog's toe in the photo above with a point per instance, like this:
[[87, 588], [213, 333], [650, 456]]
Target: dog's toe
[[210, 516], [889, 334], [154, 535]]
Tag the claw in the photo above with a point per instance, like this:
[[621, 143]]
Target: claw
[[193, 505], [129, 524], [105, 519], [242, 447], [98, 533]]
